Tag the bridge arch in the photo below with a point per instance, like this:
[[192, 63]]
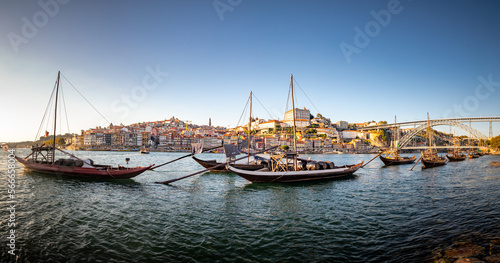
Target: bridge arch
[[409, 136]]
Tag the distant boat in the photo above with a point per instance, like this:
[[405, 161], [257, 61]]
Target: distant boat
[[396, 160], [456, 156], [230, 151], [144, 150], [212, 163], [392, 156], [473, 155], [288, 168], [42, 159], [430, 158]]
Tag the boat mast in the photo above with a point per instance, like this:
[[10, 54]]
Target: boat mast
[[294, 128], [249, 128], [429, 133], [55, 119], [395, 135]]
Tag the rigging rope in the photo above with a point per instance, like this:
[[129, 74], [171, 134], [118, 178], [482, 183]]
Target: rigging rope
[[45, 113], [288, 98], [85, 99], [244, 110], [65, 111], [49, 116], [263, 106], [306, 95]]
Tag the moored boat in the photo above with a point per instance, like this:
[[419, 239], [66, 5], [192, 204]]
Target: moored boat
[[396, 160], [456, 156], [392, 156], [286, 174], [231, 151], [74, 167], [473, 155], [430, 157], [288, 168], [144, 150], [42, 159], [213, 165]]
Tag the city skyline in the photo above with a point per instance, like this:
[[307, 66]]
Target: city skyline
[[198, 60]]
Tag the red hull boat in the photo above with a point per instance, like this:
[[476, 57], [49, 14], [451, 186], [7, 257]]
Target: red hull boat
[[42, 159], [97, 172]]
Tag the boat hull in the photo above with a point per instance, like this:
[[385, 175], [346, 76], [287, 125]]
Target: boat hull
[[209, 164], [266, 176], [82, 172], [397, 161], [456, 158], [434, 162]]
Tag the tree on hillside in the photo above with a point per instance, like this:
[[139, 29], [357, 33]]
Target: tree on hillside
[[60, 141], [495, 142]]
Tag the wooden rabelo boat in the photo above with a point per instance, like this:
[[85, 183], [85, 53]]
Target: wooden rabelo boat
[[430, 158], [392, 156], [288, 168], [396, 160], [473, 155], [42, 159], [208, 164], [456, 156], [229, 149], [74, 167]]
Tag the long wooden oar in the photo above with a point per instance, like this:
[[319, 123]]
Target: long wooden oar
[[182, 157], [416, 163], [372, 159], [208, 169]]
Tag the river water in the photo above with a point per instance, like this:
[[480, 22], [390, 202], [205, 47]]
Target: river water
[[382, 214]]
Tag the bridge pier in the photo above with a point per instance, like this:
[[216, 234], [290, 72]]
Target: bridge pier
[[491, 130]]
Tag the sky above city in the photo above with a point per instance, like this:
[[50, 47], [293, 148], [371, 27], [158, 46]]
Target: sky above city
[[140, 61]]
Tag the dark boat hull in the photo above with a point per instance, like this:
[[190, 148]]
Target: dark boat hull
[[209, 164], [267, 176], [433, 162], [82, 172], [397, 161], [456, 158]]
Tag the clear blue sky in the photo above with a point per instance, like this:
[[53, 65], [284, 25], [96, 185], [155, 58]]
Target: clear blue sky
[[429, 56]]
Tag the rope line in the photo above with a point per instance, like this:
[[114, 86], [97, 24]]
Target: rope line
[[306, 95], [244, 110], [45, 113], [85, 99], [65, 111], [263, 106]]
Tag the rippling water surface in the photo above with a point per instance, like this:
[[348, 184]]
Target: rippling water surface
[[382, 214]]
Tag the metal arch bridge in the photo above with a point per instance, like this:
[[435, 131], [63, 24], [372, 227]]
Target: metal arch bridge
[[456, 122]]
